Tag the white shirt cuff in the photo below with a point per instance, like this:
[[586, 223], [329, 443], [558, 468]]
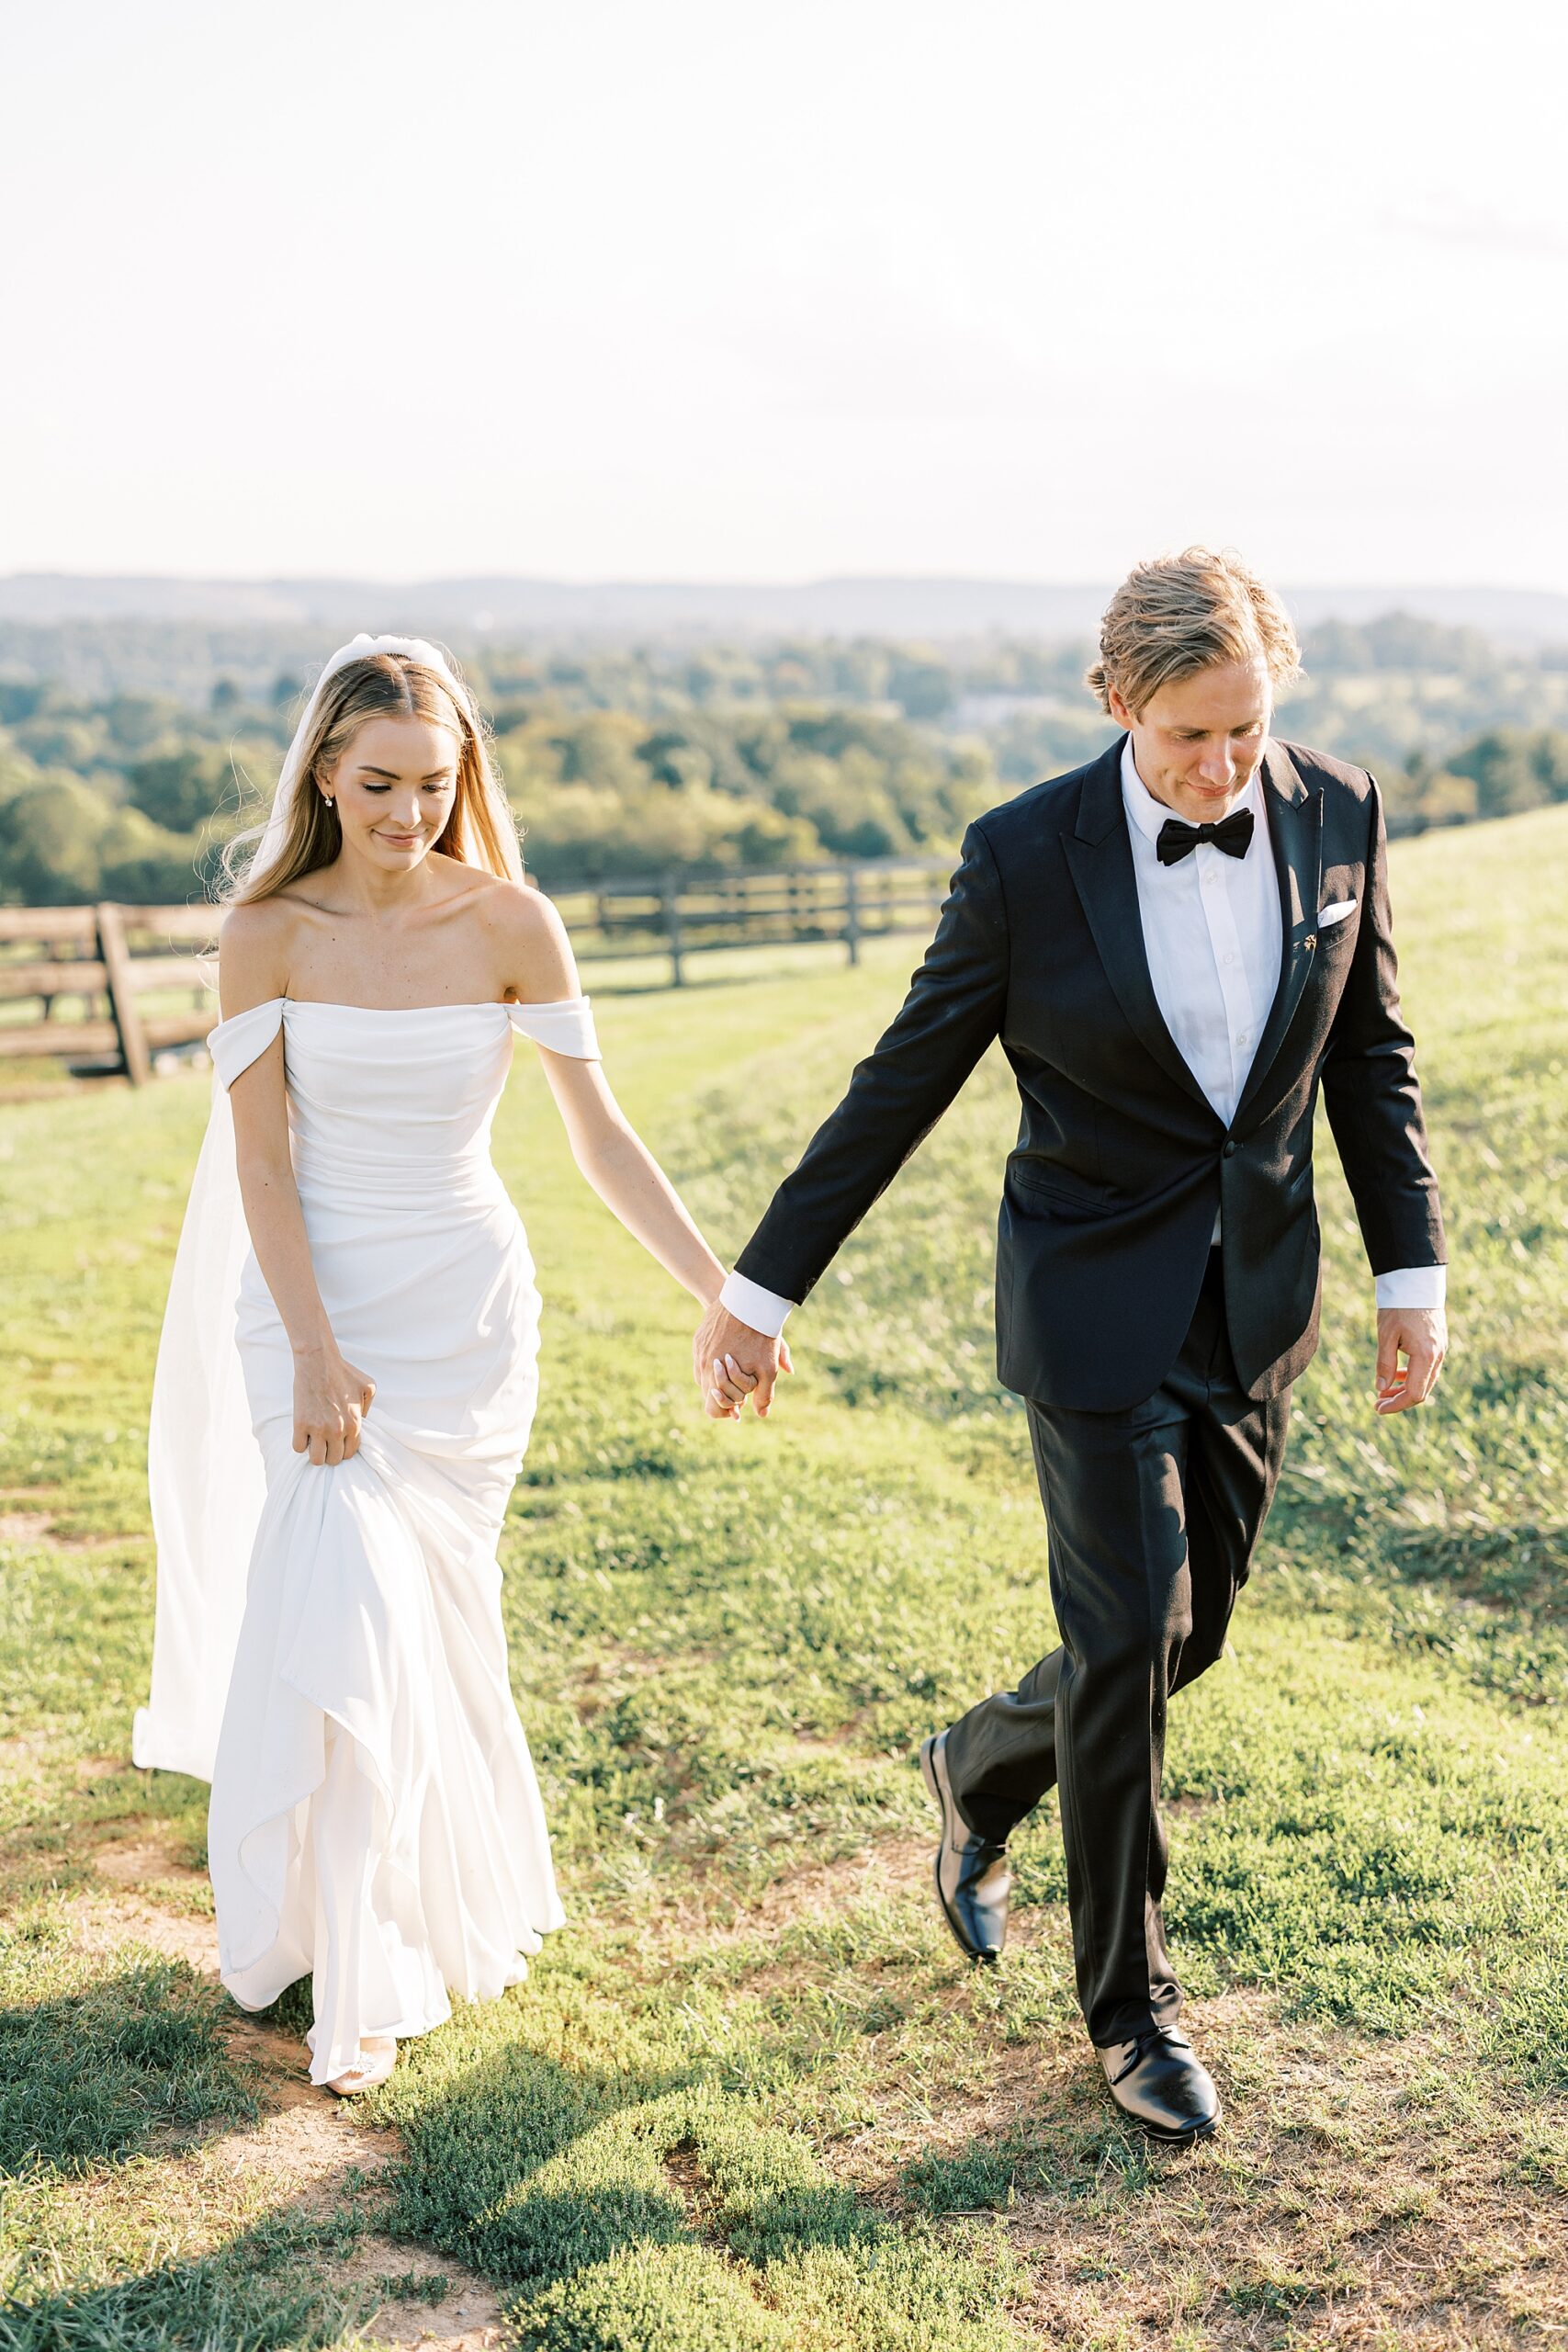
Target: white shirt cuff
[[1413, 1286], [761, 1310]]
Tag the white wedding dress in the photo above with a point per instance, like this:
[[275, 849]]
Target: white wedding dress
[[376, 1823]]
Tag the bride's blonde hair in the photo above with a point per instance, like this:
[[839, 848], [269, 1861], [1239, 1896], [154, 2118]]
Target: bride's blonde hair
[[480, 831]]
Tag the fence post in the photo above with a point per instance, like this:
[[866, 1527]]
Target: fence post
[[851, 914], [55, 956], [116, 958], [672, 927]]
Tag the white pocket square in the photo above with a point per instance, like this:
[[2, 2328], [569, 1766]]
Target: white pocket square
[[1336, 913]]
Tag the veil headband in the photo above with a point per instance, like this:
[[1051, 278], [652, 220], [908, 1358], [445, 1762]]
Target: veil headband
[[360, 648]]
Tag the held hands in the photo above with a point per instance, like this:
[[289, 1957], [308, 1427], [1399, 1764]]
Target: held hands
[[730, 1361], [331, 1400], [1421, 1335]]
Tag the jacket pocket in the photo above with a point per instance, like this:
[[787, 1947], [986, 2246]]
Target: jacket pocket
[[1059, 1196]]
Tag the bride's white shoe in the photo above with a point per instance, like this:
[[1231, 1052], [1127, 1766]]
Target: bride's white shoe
[[378, 2056]]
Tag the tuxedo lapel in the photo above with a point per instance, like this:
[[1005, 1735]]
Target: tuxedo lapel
[[1295, 838], [1100, 856]]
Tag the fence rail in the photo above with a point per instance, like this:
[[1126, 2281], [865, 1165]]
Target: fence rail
[[109, 960], [774, 905]]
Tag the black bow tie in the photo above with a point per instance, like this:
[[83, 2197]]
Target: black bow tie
[[1232, 835]]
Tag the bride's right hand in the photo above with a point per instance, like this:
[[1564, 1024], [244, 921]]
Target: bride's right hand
[[332, 1397]]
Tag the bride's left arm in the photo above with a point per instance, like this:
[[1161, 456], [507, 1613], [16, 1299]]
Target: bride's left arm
[[542, 969]]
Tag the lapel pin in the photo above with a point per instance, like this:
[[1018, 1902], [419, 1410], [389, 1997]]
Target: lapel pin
[[1311, 939]]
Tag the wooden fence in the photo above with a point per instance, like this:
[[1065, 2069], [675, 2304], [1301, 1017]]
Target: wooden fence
[[787, 905], [106, 987], [103, 960]]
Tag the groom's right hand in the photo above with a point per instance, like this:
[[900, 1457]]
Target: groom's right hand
[[731, 1362]]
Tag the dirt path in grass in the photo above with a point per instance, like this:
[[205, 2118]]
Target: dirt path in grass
[[1370, 2194], [1362, 2194], [307, 2145], [1365, 2195]]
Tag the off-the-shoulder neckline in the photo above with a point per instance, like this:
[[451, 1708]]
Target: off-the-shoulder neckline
[[485, 1005]]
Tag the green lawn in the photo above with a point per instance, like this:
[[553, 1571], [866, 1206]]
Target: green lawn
[[750, 2097]]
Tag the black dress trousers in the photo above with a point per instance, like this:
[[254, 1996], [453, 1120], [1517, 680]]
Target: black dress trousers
[[1153, 1514]]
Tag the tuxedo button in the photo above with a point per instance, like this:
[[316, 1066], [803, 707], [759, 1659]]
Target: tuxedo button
[[1229, 1151]]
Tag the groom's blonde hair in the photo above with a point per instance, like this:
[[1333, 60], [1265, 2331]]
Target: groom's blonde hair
[[1178, 614]]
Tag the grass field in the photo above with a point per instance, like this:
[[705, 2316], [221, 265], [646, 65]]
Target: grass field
[[750, 2097]]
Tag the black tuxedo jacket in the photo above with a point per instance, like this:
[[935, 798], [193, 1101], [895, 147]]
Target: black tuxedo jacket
[[1120, 1162]]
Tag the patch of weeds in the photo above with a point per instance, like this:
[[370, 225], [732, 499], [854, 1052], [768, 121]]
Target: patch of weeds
[[652, 2299], [412, 2286], [1272, 2295], [978, 2180]]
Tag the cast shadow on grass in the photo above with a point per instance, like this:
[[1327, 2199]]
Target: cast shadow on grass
[[532, 2171], [528, 2170], [662, 2209], [118, 2057], [1065, 2141], [1524, 1565], [101, 2061], [104, 2059], [261, 2292]]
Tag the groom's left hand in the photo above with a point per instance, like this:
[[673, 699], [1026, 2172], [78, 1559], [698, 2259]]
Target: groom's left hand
[[1421, 1335]]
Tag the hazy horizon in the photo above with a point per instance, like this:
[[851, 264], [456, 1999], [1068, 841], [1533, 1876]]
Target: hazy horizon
[[914, 576], [702, 297], [848, 607]]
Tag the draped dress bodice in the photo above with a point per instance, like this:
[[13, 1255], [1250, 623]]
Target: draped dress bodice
[[382, 1098], [420, 1255]]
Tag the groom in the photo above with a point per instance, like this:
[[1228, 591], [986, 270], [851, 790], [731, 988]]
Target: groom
[[1176, 945]]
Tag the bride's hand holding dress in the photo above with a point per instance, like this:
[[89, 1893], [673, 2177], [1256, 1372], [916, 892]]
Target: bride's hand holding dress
[[330, 1399]]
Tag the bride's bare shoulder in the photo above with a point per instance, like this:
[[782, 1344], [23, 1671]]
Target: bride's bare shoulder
[[254, 945], [536, 958]]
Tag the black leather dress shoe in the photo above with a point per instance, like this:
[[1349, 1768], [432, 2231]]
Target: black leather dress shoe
[[1159, 2083], [973, 1880]]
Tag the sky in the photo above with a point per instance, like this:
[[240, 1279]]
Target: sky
[[718, 290]]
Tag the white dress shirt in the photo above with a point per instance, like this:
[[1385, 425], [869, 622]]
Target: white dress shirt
[[1213, 936], [1211, 933]]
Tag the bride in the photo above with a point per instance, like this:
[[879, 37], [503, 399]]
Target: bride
[[329, 1648]]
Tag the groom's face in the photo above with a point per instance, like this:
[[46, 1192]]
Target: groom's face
[[1199, 740]]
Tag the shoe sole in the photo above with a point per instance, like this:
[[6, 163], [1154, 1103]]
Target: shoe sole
[[928, 1773], [1170, 2138]]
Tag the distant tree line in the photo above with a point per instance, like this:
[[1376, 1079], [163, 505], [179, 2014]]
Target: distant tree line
[[637, 759]]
